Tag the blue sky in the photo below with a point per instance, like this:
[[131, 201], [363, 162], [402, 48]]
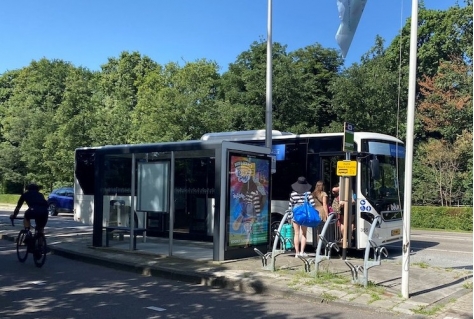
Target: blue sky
[[88, 32]]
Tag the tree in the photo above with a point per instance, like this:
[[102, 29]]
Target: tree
[[367, 95], [441, 35], [35, 94], [464, 181], [176, 103], [75, 122], [446, 114], [117, 96], [446, 109], [244, 86], [314, 68], [300, 92], [11, 169], [442, 161]]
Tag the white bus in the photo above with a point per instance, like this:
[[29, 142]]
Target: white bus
[[378, 185]]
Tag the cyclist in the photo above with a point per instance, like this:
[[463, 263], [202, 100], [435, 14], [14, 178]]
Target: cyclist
[[37, 207]]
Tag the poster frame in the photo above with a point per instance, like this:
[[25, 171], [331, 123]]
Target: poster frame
[[261, 220]]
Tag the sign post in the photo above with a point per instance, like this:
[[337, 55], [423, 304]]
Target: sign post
[[348, 143], [346, 169]]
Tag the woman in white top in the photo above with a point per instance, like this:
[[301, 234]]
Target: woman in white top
[[300, 188]]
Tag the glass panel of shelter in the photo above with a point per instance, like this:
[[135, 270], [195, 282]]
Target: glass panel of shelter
[[194, 195]]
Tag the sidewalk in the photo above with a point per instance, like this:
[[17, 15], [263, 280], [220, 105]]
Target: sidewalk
[[434, 293]]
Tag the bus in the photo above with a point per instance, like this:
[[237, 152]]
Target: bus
[[377, 186]]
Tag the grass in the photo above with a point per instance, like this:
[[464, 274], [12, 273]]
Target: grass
[[374, 290], [374, 297], [329, 279], [9, 199], [443, 229], [428, 311], [328, 297], [374, 287], [467, 285], [297, 278], [325, 278], [421, 264]]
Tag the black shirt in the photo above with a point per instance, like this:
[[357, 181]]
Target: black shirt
[[33, 199]]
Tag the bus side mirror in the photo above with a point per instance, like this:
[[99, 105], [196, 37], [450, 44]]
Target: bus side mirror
[[375, 169]]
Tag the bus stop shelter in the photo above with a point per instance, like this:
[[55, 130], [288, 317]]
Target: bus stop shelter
[[146, 176]]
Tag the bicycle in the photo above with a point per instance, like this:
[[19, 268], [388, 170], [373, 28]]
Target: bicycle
[[35, 243]]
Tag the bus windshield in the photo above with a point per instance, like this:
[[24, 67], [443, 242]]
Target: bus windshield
[[388, 182]]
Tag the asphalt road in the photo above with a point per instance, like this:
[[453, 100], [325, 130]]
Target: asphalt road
[[431, 248], [64, 288], [438, 249]]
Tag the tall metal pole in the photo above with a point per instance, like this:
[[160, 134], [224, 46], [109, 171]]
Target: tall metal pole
[[346, 187], [132, 204], [409, 150], [172, 206], [268, 112]]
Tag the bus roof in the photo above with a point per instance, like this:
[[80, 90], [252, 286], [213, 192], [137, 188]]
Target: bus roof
[[241, 135], [212, 140], [277, 135]]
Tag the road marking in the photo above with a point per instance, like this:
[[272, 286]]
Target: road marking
[[156, 308]]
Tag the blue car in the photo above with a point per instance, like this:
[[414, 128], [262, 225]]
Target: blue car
[[61, 200]]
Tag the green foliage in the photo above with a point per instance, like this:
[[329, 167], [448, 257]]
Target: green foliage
[[301, 100], [49, 108], [115, 97], [366, 94], [9, 199], [447, 218], [442, 34], [36, 92]]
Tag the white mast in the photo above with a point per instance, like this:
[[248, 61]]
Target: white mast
[[409, 150]]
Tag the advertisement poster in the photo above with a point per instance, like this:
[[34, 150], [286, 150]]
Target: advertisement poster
[[248, 204]]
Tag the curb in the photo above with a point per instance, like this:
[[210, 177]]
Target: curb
[[207, 279]]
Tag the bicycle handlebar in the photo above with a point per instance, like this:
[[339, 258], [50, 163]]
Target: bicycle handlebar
[[12, 219]]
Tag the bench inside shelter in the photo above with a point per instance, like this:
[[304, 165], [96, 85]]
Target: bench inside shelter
[[110, 230], [121, 230]]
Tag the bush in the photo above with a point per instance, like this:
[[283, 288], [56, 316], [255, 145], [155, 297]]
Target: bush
[[447, 218]]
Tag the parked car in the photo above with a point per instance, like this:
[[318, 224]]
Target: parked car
[[61, 200]]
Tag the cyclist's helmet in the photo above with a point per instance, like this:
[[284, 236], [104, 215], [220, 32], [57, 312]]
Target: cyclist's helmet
[[32, 187]]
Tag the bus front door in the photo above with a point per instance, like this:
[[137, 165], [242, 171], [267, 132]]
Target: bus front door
[[330, 179]]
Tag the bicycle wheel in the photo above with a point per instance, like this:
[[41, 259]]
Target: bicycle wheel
[[21, 246], [39, 253]]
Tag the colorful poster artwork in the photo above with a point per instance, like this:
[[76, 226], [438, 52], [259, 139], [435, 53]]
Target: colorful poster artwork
[[248, 206]]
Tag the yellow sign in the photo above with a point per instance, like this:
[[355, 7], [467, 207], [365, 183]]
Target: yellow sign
[[346, 168]]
